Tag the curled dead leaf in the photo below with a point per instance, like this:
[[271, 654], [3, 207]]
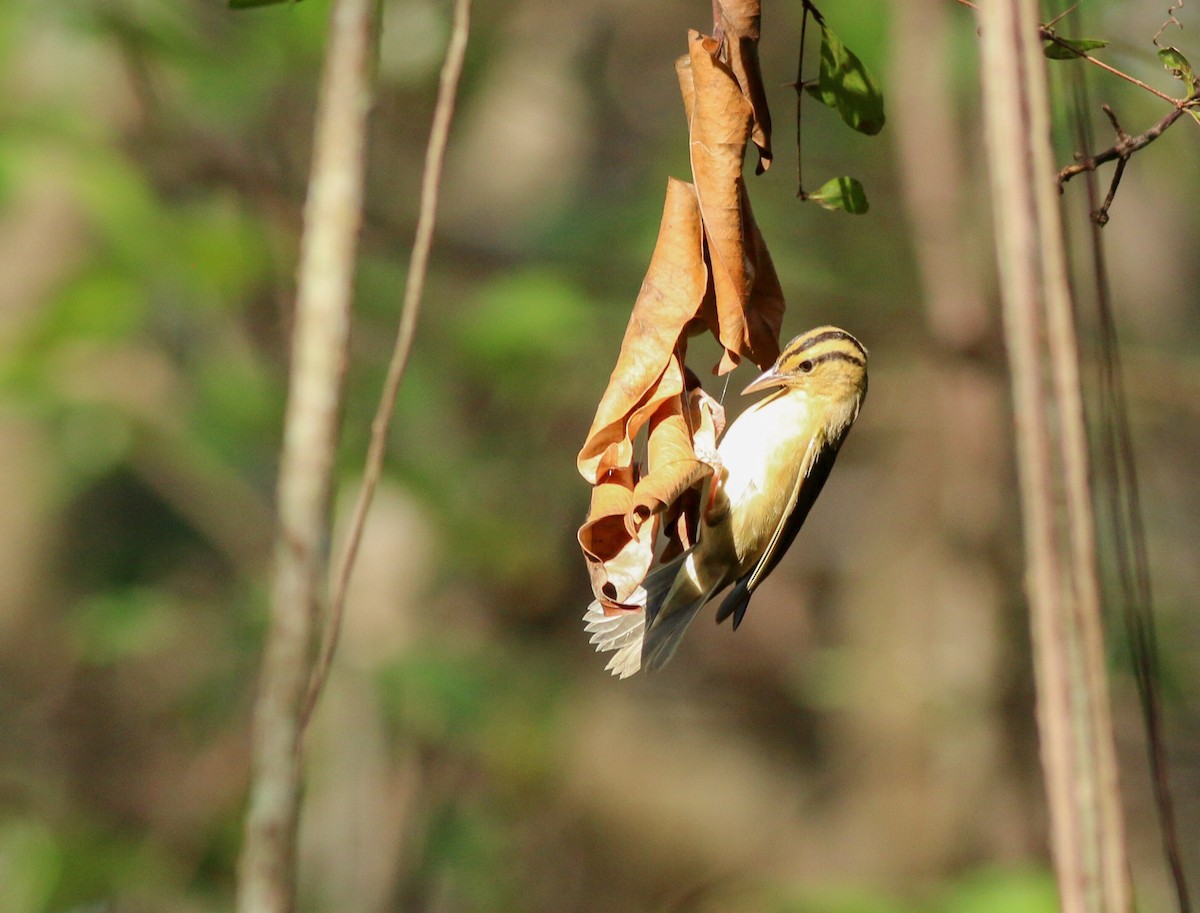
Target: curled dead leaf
[[673, 464], [617, 561], [719, 125], [670, 297], [740, 21], [687, 85], [748, 298], [706, 416], [680, 520]]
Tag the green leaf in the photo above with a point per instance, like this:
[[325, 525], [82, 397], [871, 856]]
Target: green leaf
[[842, 193], [1177, 65], [1071, 48], [847, 86], [251, 4]]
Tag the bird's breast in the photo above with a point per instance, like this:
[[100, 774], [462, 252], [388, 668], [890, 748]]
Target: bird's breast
[[762, 454]]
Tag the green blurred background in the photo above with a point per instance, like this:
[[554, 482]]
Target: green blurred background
[[864, 744]]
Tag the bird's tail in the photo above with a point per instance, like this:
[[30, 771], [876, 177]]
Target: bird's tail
[[624, 632], [668, 617]]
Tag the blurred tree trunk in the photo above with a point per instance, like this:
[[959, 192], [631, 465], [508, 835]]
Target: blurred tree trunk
[[927, 621], [325, 286], [1074, 721]]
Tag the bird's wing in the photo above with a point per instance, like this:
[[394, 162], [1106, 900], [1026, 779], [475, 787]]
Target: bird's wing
[[663, 636], [814, 470]]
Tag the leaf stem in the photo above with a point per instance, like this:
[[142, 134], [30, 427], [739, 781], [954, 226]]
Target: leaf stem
[[799, 86], [1047, 35]]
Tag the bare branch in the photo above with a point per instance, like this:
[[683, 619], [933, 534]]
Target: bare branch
[[1125, 146], [332, 215], [1074, 721], [435, 154]]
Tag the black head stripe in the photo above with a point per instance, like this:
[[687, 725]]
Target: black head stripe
[[839, 356], [806, 343]]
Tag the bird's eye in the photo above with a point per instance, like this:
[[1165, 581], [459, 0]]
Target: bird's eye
[[806, 366]]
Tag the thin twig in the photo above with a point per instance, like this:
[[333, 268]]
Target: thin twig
[[1100, 216], [1123, 501], [1171, 20], [1057, 19], [1048, 35], [325, 281], [435, 155], [799, 97], [1122, 136], [1118, 468], [1086, 626], [1124, 147]]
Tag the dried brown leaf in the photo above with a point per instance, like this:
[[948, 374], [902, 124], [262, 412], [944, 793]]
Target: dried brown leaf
[[706, 319], [615, 581], [740, 22], [617, 561], [764, 311], [604, 534], [747, 325], [707, 418], [618, 537], [681, 509], [673, 464], [670, 297], [719, 125], [687, 85]]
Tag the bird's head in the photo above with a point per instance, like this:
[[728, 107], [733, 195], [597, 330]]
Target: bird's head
[[825, 363]]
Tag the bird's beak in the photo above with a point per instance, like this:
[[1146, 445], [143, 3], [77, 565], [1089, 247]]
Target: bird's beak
[[765, 381]]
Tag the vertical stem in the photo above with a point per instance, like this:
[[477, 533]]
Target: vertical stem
[[325, 281], [799, 98], [1074, 720], [418, 265]]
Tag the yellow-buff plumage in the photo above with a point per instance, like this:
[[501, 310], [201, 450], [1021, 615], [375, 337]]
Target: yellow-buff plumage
[[772, 463]]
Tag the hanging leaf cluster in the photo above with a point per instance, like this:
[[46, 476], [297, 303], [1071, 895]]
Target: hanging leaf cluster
[[710, 272]]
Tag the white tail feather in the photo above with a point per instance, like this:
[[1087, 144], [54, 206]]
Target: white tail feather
[[625, 632], [621, 632]]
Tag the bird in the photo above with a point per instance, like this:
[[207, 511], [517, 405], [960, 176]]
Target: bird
[[771, 464]]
